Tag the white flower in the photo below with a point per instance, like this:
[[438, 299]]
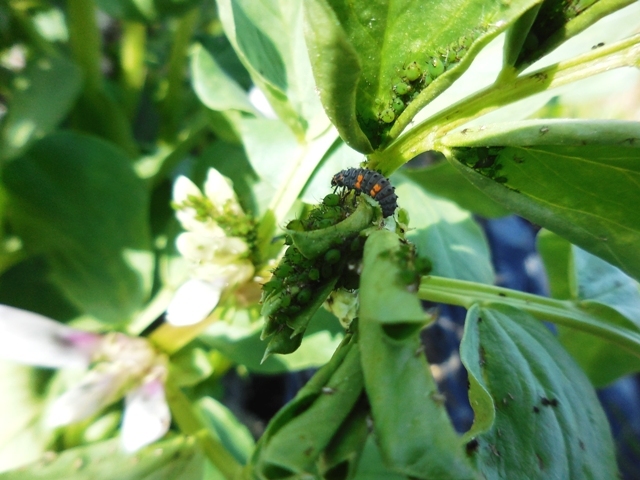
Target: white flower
[[120, 365], [214, 244]]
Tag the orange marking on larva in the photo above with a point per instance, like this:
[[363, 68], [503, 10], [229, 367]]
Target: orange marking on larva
[[358, 184], [375, 189]]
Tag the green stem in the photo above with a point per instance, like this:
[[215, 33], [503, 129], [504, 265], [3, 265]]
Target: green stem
[[84, 39], [132, 53], [506, 90], [190, 423], [562, 312], [173, 101]]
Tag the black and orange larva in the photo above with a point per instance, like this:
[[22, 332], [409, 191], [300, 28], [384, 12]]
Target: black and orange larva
[[371, 183]]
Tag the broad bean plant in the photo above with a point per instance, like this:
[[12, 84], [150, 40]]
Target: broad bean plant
[[195, 188]]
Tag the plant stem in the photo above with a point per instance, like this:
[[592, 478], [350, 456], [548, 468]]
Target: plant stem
[[504, 91], [172, 104], [84, 39], [132, 53], [562, 312], [190, 423]]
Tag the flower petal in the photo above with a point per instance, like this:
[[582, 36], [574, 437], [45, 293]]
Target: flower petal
[[184, 188], [194, 300], [96, 390], [33, 339], [198, 247], [220, 191], [146, 416]]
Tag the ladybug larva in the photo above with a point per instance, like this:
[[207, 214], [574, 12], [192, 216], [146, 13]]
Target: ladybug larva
[[371, 183]]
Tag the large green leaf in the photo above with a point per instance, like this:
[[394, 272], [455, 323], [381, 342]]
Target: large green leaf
[[34, 109], [168, 460], [600, 289], [280, 161], [267, 36], [360, 52], [536, 411], [445, 234], [443, 180], [579, 179], [77, 200], [214, 87], [414, 433]]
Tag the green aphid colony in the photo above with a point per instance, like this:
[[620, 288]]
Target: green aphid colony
[[300, 284], [412, 266], [418, 73], [484, 160]]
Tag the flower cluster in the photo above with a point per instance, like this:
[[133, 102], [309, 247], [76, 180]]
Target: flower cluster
[[217, 244], [115, 365]]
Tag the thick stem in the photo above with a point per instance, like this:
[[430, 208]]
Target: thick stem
[[566, 313], [84, 39]]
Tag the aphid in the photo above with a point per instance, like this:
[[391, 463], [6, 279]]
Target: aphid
[[370, 183], [388, 115], [436, 67]]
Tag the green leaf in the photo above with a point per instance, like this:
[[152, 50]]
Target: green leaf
[[542, 402], [296, 445], [235, 436], [267, 36], [556, 255], [190, 366], [18, 283], [22, 439], [213, 86], [313, 243], [412, 428], [284, 164], [77, 200], [443, 180], [517, 35], [557, 21], [600, 289], [336, 69], [241, 343], [371, 466], [579, 179], [339, 157], [341, 457], [34, 111], [170, 459], [445, 234], [361, 52]]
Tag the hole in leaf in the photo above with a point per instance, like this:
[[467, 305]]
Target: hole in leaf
[[401, 331]]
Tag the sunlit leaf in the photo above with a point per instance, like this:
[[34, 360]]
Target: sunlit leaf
[[601, 289], [77, 200], [376, 65], [34, 111], [213, 86], [536, 411], [579, 179], [267, 36], [446, 234], [413, 431]]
